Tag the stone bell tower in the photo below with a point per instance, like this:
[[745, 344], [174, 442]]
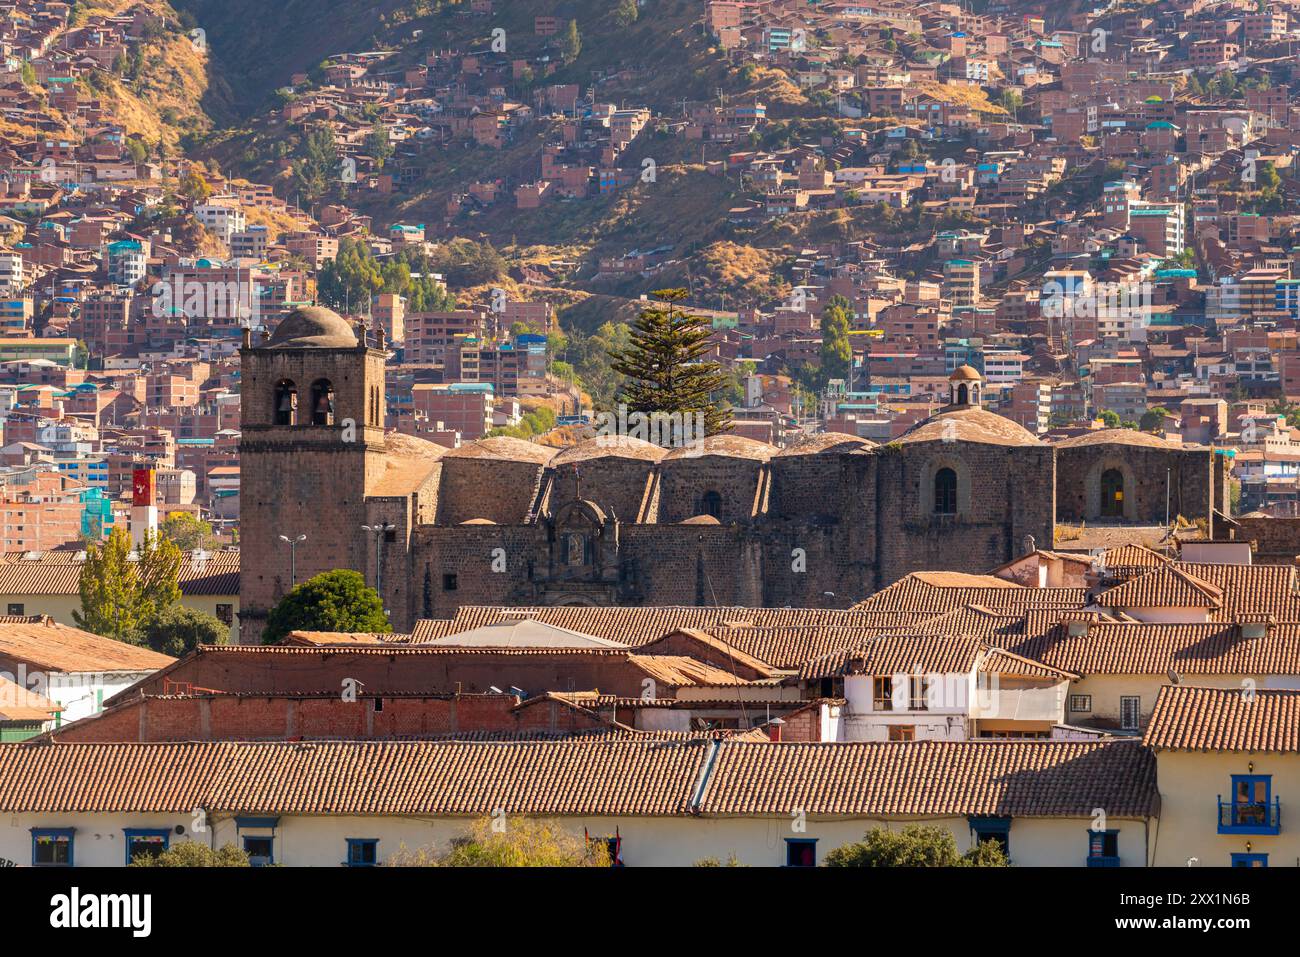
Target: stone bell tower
[[312, 436], [964, 388]]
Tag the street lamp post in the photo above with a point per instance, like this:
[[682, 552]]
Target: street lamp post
[[378, 531], [293, 544]]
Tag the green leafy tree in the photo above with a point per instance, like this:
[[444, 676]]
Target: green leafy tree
[[120, 595], [914, 846], [332, 601], [379, 146], [837, 351], [1152, 418], [137, 150], [194, 854], [665, 366], [355, 275], [1109, 418], [317, 165], [189, 533], [626, 13], [194, 186], [570, 42], [177, 631], [467, 263], [522, 842]]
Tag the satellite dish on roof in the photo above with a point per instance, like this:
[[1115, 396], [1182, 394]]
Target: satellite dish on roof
[[1173, 676]]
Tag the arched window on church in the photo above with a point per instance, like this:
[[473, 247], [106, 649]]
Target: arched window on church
[[945, 492], [286, 403], [963, 395], [711, 504], [322, 402], [1112, 494]]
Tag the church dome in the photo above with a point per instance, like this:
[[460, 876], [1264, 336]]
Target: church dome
[[503, 448], [731, 446], [313, 327], [1117, 437], [965, 374], [826, 442], [969, 424], [614, 446]]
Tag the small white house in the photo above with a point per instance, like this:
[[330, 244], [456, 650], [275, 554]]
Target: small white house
[[75, 669], [940, 688]]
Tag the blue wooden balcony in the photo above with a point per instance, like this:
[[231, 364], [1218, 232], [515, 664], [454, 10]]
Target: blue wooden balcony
[[1249, 818]]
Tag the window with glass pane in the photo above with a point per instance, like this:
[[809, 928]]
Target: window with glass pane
[[139, 846], [363, 852], [882, 697], [1250, 800], [917, 695], [51, 849]]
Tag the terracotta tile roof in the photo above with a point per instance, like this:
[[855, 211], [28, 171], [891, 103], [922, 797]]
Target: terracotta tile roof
[[788, 648], [712, 643], [926, 654], [1145, 648], [606, 775], [1133, 557], [584, 776], [22, 704], [53, 647], [976, 620], [634, 625], [1164, 587], [1246, 589], [59, 573], [916, 593], [680, 671], [1230, 591], [1224, 719], [924, 778], [318, 639]]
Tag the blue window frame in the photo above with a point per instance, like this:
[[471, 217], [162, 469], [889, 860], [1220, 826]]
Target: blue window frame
[[801, 852], [260, 849], [992, 829], [52, 846], [1103, 848], [142, 841], [1252, 808], [363, 851], [1250, 860]]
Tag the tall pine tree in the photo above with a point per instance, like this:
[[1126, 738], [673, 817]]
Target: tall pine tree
[[665, 367]]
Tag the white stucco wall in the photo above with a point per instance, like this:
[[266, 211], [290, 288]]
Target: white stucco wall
[[647, 842]]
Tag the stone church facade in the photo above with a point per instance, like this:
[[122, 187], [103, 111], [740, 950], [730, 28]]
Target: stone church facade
[[623, 522]]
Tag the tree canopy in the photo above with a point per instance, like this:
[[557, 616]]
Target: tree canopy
[[510, 842], [331, 601], [915, 846], [666, 369], [177, 631], [119, 595], [194, 854]]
